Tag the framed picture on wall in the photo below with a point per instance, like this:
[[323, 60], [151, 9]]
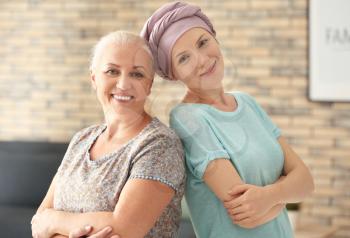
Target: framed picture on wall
[[329, 56]]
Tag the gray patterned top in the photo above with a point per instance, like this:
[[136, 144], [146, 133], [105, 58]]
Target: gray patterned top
[[85, 185]]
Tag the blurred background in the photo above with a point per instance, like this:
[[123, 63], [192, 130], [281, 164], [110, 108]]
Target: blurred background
[[46, 96]]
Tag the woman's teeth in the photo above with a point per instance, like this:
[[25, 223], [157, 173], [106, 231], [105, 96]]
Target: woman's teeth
[[122, 98]]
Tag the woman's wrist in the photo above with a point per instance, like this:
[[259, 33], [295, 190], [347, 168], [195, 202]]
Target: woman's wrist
[[51, 218], [274, 192]]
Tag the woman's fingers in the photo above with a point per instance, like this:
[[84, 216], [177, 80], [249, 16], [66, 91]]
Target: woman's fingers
[[103, 233], [237, 210], [80, 232], [241, 216], [232, 204]]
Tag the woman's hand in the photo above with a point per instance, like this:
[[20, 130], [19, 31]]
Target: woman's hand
[[41, 225], [85, 231], [252, 203], [250, 223]]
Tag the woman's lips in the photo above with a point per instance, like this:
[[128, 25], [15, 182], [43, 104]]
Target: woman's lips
[[211, 70]]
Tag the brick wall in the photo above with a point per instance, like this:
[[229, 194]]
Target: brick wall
[[45, 92]]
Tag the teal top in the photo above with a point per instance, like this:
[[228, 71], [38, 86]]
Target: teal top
[[248, 138]]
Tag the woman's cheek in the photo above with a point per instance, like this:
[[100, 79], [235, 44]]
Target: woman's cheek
[[189, 72]]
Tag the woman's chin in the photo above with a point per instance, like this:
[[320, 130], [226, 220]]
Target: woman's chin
[[117, 112], [213, 83]]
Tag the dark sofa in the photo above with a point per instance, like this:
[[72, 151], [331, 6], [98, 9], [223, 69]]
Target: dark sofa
[[26, 170]]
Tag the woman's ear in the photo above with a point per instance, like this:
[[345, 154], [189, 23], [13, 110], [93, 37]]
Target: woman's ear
[[93, 81], [150, 87]]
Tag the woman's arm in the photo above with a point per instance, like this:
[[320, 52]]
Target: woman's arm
[[48, 203], [296, 185], [140, 204], [86, 232], [221, 177], [48, 199], [298, 182], [252, 222]]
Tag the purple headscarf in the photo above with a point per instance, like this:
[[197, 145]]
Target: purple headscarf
[[166, 25]]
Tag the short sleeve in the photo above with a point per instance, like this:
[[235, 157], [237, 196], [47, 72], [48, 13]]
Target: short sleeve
[[161, 159], [198, 138], [265, 119], [73, 147]]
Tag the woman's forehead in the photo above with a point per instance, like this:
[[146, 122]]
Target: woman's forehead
[[128, 53], [189, 38]]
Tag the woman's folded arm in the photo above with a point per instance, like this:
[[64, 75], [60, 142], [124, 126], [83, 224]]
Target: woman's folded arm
[[140, 204], [221, 177]]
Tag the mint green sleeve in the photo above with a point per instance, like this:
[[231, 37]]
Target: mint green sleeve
[[198, 138], [265, 119]]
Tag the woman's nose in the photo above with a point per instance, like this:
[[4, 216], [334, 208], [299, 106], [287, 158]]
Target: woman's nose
[[123, 82], [202, 60]]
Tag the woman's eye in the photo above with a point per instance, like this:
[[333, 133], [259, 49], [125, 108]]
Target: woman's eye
[[183, 58], [202, 43], [111, 72], [137, 74]]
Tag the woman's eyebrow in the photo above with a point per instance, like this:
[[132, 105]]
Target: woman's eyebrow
[[180, 53], [111, 64], [199, 39], [197, 42], [139, 66]]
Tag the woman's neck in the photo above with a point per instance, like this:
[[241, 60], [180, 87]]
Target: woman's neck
[[126, 127], [215, 98], [211, 97]]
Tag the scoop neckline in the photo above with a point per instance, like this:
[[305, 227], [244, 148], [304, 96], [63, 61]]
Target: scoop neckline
[[216, 110], [105, 157]]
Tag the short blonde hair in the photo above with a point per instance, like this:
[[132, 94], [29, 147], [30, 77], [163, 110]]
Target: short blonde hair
[[118, 38]]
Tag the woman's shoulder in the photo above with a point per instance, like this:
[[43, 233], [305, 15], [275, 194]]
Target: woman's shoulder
[[86, 132], [156, 139], [158, 130], [186, 111], [249, 101], [243, 96]]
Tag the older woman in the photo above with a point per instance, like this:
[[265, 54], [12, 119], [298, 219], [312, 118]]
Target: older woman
[[236, 156], [126, 174]]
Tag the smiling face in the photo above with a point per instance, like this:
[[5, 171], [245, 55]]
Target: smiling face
[[197, 60], [123, 78]]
